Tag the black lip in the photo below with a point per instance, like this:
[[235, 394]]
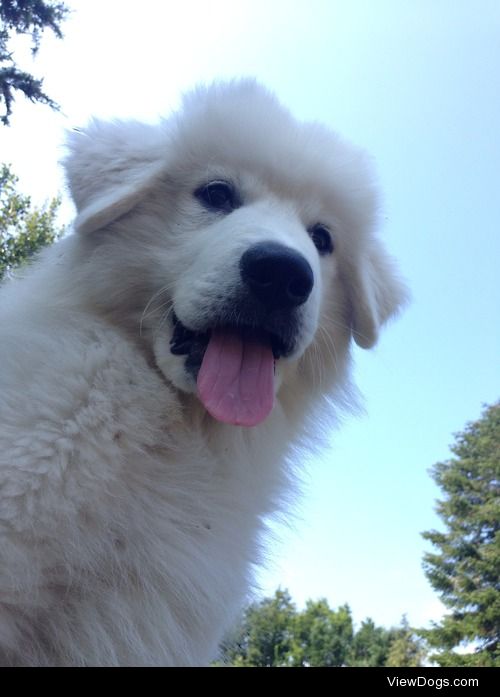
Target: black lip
[[185, 342], [192, 344], [183, 338]]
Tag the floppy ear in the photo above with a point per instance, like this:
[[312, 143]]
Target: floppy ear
[[376, 293], [109, 167]]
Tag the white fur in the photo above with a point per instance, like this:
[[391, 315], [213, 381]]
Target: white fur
[[129, 518]]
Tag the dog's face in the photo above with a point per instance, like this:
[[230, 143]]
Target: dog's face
[[245, 292], [237, 242]]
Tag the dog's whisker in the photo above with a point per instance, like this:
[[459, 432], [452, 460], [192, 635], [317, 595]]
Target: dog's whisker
[[158, 308], [322, 366], [163, 320], [329, 345], [155, 296], [349, 328]]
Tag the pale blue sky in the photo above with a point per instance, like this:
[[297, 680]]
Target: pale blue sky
[[416, 82]]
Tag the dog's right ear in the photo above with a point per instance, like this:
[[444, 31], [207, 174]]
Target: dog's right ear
[[109, 168], [376, 293]]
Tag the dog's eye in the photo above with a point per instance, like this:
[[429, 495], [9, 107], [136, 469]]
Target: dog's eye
[[218, 195], [322, 238]]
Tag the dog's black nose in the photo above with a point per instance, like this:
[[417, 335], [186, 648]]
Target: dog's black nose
[[278, 276]]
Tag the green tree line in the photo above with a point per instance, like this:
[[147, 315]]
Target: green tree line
[[274, 633]]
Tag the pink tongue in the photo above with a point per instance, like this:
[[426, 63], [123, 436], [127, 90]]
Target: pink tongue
[[236, 379]]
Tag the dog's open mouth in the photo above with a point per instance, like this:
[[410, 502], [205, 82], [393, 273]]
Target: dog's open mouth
[[234, 369]]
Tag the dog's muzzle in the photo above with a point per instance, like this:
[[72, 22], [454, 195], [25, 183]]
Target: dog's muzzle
[[232, 358]]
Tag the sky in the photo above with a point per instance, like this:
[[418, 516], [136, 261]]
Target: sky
[[417, 85]]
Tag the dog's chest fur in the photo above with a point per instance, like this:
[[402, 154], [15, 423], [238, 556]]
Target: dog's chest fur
[[144, 528]]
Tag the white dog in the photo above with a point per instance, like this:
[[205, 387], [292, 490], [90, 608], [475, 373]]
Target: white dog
[[158, 365]]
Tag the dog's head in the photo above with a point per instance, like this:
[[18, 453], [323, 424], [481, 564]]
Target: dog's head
[[237, 242]]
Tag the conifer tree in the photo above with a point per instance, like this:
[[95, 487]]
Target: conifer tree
[[406, 648], [25, 17], [465, 569]]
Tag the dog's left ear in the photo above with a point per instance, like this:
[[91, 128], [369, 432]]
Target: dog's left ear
[[376, 293], [109, 168]]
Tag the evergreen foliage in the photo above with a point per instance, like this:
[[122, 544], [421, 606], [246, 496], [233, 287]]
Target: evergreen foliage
[[273, 633], [25, 17], [465, 569]]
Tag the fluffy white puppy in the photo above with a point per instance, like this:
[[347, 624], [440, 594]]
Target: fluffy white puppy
[[158, 364]]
